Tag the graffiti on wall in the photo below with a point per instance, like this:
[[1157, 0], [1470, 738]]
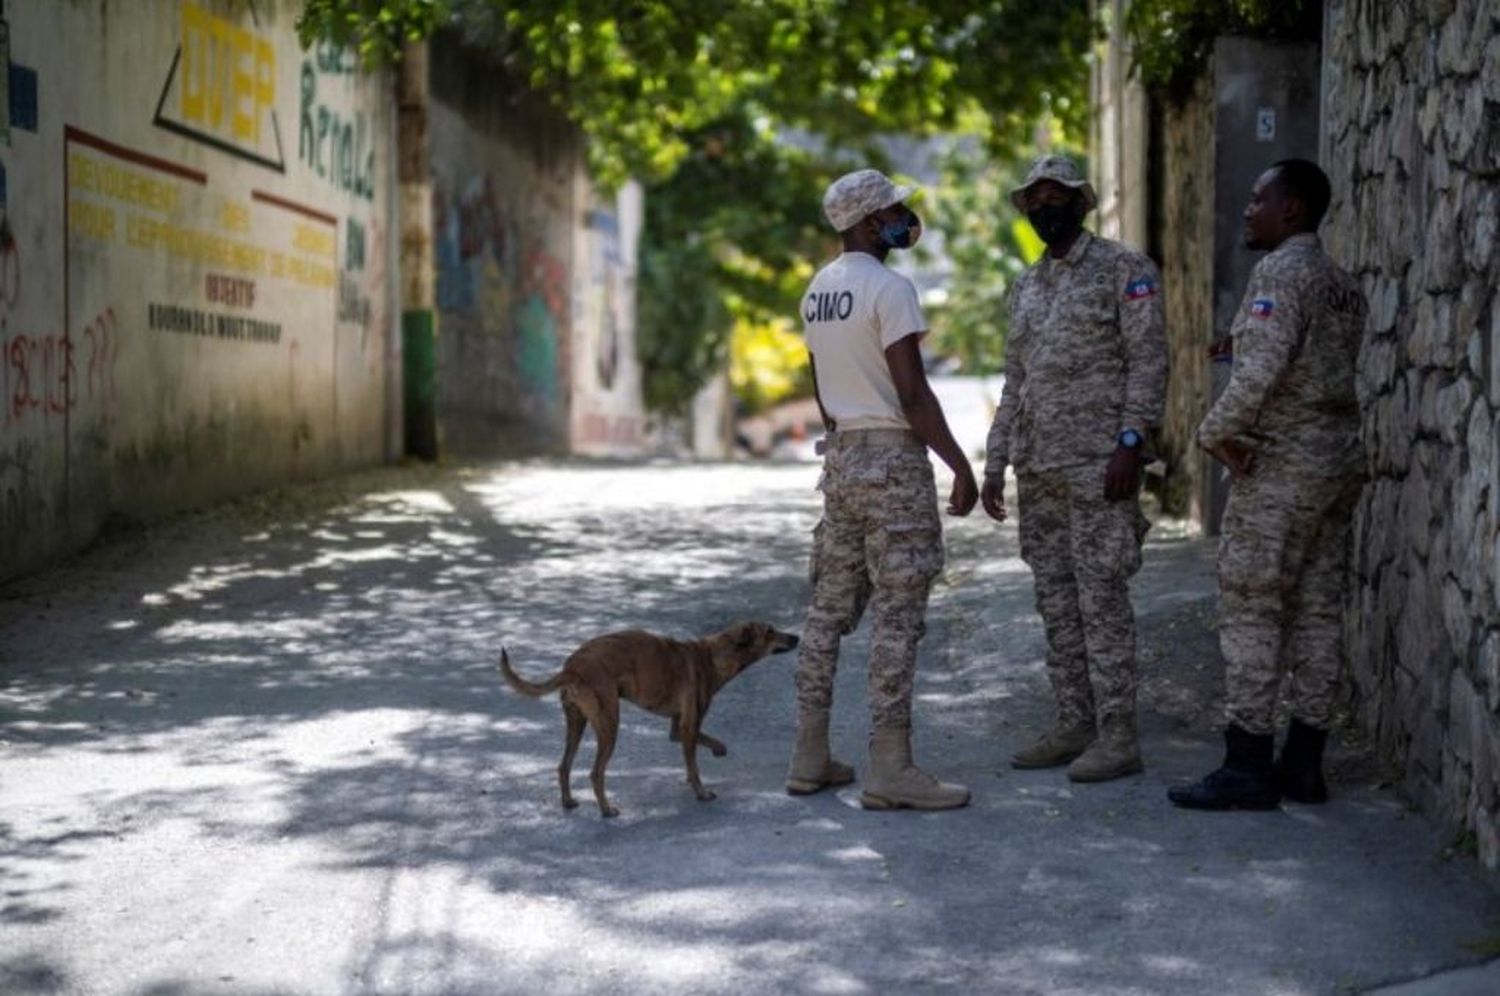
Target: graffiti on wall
[[502, 282], [39, 374], [354, 296], [337, 144], [221, 88], [606, 290]]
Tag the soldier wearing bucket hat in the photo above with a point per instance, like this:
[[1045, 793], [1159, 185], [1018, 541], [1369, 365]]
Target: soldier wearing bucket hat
[[1085, 379], [880, 541]]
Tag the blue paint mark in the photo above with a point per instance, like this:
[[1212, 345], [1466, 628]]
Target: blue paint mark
[[23, 97]]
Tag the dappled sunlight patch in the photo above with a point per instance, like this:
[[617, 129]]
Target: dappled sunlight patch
[[749, 795], [855, 853], [832, 981], [725, 907], [1134, 848], [389, 551], [1171, 966], [29, 727], [225, 630], [1010, 568], [450, 538], [419, 505], [822, 824]]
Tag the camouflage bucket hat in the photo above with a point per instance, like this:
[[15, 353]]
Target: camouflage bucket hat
[[855, 196], [1059, 169]]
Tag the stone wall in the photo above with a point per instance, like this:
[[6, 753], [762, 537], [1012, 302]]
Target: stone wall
[[1412, 111]]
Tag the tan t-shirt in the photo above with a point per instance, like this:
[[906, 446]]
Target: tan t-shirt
[[854, 308]]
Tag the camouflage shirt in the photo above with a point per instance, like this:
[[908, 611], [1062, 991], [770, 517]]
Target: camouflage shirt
[[1291, 395], [1086, 358]]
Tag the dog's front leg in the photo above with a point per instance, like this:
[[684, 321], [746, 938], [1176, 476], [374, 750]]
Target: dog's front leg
[[690, 738], [704, 740]]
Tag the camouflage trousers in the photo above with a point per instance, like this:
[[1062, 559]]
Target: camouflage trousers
[[1083, 550], [879, 544], [1282, 559]]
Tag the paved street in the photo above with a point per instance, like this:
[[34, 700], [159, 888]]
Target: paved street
[[264, 751]]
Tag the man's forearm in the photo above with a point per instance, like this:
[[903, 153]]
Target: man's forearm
[[925, 416]]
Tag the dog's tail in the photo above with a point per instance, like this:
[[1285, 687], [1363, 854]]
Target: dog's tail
[[525, 687]]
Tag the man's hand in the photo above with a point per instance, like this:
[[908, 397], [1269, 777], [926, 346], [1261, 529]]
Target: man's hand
[[965, 493], [1239, 459], [1122, 478], [993, 497]]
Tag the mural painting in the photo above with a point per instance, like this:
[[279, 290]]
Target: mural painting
[[499, 279]]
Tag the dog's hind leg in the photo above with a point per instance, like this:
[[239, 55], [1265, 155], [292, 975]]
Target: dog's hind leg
[[704, 740], [606, 730], [576, 723]]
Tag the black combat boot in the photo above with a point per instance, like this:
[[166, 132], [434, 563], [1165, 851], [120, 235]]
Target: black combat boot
[[1300, 773], [1247, 779]]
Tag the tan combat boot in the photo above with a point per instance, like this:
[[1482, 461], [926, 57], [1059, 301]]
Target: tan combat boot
[[893, 782], [1115, 754], [1058, 745], [812, 768]]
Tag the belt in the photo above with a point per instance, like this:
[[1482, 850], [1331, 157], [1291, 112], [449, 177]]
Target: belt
[[845, 438]]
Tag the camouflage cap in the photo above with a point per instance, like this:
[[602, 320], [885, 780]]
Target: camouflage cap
[[1058, 169], [855, 196]]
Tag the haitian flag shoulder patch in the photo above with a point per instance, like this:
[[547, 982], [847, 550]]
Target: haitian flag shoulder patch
[[1140, 288], [1262, 307]]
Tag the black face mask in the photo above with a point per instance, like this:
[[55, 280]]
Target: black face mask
[[1054, 223]]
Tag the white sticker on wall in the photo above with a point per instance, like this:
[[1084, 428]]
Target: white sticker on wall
[[1265, 124]]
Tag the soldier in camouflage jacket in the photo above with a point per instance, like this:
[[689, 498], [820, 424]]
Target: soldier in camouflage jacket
[[1086, 370], [1287, 429]]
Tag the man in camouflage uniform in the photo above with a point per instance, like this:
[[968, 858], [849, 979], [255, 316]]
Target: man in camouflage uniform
[[1085, 379], [1287, 428], [880, 540]]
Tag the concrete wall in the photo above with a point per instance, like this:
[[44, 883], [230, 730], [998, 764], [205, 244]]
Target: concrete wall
[[193, 262], [606, 408], [1413, 139], [1266, 109], [1173, 176], [535, 273]]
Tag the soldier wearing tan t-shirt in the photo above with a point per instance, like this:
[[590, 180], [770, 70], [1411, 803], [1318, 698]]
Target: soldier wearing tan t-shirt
[[880, 541]]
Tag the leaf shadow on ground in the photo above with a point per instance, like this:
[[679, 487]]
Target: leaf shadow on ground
[[397, 602]]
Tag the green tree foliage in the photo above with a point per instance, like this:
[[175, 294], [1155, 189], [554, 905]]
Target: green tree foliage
[[768, 364], [990, 243], [1173, 39], [692, 96]]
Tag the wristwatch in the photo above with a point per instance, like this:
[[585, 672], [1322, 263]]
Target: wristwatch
[[1131, 439]]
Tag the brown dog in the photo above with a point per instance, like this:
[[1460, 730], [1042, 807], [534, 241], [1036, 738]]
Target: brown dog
[[676, 678]]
